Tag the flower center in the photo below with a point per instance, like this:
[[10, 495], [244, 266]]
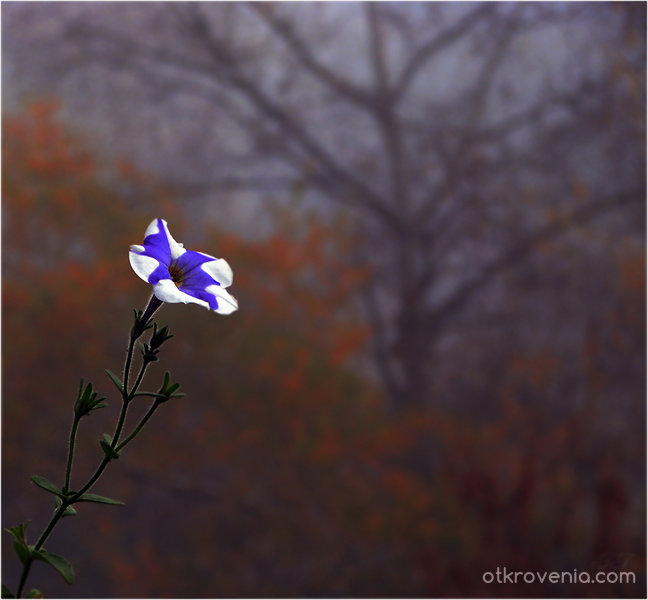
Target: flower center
[[176, 274]]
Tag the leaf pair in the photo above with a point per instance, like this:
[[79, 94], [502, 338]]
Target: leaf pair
[[28, 553], [87, 400], [150, 351], [140, 325], [48, 486], [33, 593], [118, 382], [168, 389], [61, 564], [106, 446]]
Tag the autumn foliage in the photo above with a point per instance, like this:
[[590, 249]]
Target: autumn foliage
[[281, 472]]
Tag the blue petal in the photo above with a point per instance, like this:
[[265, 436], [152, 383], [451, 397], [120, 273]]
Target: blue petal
[[190, 260], [194, 279], [161, 272], [201, 294], [157, 245]]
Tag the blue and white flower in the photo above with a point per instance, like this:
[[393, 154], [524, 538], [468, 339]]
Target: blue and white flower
[[180, 275]]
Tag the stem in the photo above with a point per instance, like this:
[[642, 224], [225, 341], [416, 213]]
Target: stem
[[120, 422], [152, 306], [89, 483], [127, 365], [68, 469], [126, 401], [41, 540], [138, 380], [23, 577], [57, 516], [141, 424]]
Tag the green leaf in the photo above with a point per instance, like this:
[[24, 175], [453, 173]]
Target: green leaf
[[18, 532], [87, 401], [99, 499], [69, 511], [151, 394], [22, 550], [98, 406], [6, 593], [46, 484], [62, 565], [109, 451], [34, 593], [108, 438], [87, 393], [115, 380], [172, 388]]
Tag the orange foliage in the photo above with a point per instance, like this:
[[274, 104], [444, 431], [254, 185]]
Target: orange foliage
[[280, 473]]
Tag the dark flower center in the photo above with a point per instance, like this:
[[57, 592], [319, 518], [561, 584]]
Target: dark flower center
[[176, 273]]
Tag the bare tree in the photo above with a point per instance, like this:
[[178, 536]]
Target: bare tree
[[448, 132]]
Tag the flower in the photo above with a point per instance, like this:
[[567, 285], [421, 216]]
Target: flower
[[180, 275]]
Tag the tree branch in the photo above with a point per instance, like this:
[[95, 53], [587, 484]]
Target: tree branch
[[521, 250], [291, 127], [289, 37], [436, 44]]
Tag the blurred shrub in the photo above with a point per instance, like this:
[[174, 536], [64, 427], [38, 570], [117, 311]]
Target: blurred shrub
[[281, 473]]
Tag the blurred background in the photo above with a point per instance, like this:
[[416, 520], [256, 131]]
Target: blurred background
[[435, 213]]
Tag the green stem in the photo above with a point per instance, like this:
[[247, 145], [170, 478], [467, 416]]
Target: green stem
[[152, 306], [41, 540], [128, 396], [55, 519], [139, 379], [89, 483], [127, 366], [141, 424], [120, 422], [125, 395], [23, 577], [68, 469]]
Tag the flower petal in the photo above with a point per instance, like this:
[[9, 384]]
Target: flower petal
[[220, 270], [153, 228], [195, 282], [161, 255], [227, 304], [167, 291], [159, 243], [142, 264], [176, 248], [190, 260]]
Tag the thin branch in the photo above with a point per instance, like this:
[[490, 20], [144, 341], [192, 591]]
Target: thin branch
[[521, 250], [227, 73], [295, 130], [286, 32], [436, 44]]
